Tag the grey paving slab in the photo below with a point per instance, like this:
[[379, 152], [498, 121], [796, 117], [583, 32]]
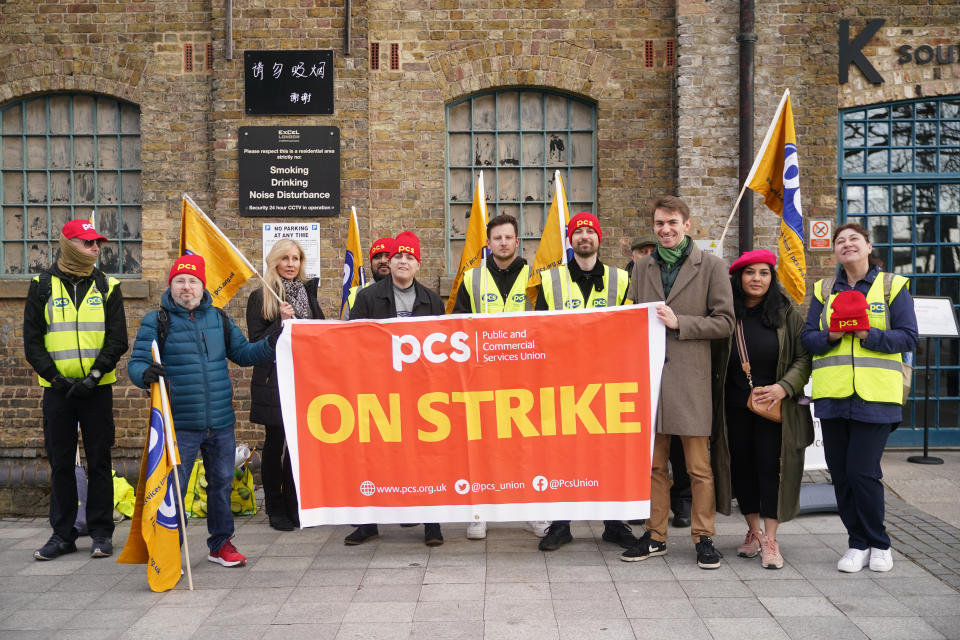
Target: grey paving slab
[[799, 606], [739, 628], [540, 610], [324, 577], [379, 612], [931, 605], [387, 593], [653, 607], [574, 591], [454, 575], [520, 630], [410, 575], [652, 629], [606, 609], [449, 611], [462, 630], [657, 588], [374, 631], [871, 606], [293, 613], [728, 607], [473, 591], [579, 574], [813, 628], [613, 629], [715, 589], [234, 632], [517, 591], [318, 631], [331, 593], [897, 628], [948, 626]]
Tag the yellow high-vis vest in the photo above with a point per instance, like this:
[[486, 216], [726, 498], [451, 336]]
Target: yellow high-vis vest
[[352, 294], [494, 302], [559, 291], [74, 335], [848, 368]]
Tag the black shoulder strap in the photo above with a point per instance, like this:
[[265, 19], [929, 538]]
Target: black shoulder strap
[[225, 321], [163, 328], [45, 286]]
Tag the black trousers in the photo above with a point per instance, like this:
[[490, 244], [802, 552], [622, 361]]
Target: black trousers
[[279, 491], [754, 461], [95, 416]]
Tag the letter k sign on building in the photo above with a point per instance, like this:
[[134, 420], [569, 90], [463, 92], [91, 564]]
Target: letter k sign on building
[[852, 52]]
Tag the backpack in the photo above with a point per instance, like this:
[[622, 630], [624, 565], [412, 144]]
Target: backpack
[[163, 327]]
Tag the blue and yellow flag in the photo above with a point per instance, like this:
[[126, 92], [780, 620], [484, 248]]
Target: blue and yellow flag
[[554, 250], [354, 273], [776, 176], [154, 537], [226, 267], [475, 246]]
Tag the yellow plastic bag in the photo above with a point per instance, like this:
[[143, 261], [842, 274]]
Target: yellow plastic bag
[[242, 500]]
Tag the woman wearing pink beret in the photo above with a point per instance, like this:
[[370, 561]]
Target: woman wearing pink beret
[[765, 363]]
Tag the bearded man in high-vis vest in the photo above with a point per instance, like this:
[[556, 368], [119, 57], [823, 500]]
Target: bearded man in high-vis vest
[[499, 286], [584, 283], [74, 333]]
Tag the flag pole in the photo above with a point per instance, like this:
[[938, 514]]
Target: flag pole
[[360, 270], [756, 162], [232, 246], [561, 205], [481, 191], [171, 447]]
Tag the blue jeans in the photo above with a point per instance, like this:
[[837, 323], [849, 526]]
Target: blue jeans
[[218, 448]]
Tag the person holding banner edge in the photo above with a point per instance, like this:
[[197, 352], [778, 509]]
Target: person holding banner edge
[[400, 295], [585, 282], [766, 457], [265, 315], [74, 333], [859, 324], [698, 308], [194, 347], [497, 287]]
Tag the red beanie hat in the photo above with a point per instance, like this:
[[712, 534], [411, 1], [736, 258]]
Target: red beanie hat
[[383, 245], [849, 312], [190, 264], [584, 219], [754, 257], [407, 242]]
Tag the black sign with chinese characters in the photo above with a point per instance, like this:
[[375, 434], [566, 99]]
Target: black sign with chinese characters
[[289, 171], [288, 82]]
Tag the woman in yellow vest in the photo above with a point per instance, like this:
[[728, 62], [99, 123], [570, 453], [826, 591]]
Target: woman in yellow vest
[[858, 325]]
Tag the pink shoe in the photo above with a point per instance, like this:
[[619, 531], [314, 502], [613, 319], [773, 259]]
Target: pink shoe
[[770, 557], [751, 545]]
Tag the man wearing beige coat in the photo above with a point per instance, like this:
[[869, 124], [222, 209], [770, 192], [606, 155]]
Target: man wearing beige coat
[[698, 309]]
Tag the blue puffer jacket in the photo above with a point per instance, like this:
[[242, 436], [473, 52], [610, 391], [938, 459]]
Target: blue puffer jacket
[[195, 357]]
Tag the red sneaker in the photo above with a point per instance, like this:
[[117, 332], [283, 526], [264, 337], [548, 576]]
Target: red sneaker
[[228, 556]]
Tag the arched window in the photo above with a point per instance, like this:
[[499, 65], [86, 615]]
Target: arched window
[[65, 156], [518, 138], [900, 178]]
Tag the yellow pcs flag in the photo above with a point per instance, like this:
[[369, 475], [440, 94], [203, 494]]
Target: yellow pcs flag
[[475, 247], [552, 251], [154, 537], [776, 176], [354, 274], [226, 267]]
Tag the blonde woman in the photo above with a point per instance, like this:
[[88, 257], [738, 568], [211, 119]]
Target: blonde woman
[[265, 315]]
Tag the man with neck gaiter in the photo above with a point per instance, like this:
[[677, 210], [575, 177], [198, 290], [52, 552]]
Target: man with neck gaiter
[[698, 308], [584, 283], [74, 333], [398, 296]]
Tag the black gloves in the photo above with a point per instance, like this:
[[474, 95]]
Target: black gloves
[[62, 384], [82, 388], [152, 373]]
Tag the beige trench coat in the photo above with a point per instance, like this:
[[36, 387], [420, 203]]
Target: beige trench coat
[[702, 299]]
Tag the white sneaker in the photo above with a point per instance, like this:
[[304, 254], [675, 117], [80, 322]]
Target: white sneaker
[[537, 527], [854, 560], [881, 559], [476, 531]]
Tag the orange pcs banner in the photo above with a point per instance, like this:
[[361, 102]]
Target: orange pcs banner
[[526, 416]]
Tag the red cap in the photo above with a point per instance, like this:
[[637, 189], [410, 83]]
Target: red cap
[[383, 245], [584, 219], [191, 265], [407, 242], [83, 229], [849, 312], [753, 257]]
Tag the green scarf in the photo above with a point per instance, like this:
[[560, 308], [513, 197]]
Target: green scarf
[[670, 256]]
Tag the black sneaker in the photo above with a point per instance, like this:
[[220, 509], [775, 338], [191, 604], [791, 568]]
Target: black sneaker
[[54, 548], [646, 547], [558, 534], [101, 548], [362, 533], [707, 556], [432, 536], [281, 523], [619, 533]]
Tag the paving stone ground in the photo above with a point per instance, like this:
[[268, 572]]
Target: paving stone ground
[[307, 584]]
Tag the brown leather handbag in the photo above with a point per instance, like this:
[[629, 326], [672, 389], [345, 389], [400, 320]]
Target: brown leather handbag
[[770, 413]]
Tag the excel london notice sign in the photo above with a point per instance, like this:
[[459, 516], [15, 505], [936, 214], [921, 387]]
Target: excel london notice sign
[[289, 171]]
